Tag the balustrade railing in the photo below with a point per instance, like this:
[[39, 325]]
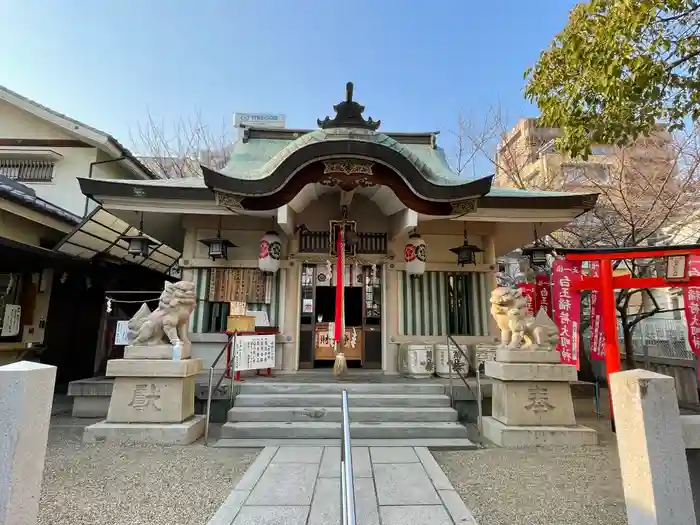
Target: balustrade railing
[[319, 242], [455, 367], [227, 372]]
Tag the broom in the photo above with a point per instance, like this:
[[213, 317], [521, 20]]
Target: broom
[[340, 366]]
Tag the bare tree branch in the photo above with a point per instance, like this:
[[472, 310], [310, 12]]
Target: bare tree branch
[[176, 151]]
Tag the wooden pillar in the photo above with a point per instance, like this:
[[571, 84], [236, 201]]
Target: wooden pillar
[[491, 282], [391, 312]]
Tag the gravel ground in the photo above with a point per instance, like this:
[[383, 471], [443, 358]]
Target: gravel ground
[[133, 484], [541, 486]]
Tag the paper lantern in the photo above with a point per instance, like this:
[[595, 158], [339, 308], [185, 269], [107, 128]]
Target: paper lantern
[[270, 252], [415, 255]]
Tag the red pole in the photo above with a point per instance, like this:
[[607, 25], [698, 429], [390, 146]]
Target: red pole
[[609, 315]]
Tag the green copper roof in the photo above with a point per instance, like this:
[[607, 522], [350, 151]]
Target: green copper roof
[[258, 158], [497, 191]]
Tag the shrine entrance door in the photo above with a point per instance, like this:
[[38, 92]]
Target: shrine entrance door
[[362, 316]]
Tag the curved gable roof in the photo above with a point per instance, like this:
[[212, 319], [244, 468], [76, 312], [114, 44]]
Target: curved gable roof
[[264, 167]]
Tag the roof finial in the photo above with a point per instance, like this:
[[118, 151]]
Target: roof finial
[[348, 114]]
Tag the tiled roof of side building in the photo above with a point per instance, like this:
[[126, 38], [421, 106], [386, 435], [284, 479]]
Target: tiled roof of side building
[[21, 194]]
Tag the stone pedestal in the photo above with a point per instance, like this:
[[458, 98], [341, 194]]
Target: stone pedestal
[[152, 401], [532, 402]]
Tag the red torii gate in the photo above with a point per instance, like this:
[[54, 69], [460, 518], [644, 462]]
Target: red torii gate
[[676, 275]]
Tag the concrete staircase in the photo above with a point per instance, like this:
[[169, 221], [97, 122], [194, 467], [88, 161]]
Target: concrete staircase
[[381, 414]]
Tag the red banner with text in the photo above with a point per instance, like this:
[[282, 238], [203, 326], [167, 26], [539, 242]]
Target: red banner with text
[[691, 300], [597, 341], [567, 309], [530, 295], [544, 293]]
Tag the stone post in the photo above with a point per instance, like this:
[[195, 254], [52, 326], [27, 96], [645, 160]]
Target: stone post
[[26, 396], [531, 401], [652, 450]]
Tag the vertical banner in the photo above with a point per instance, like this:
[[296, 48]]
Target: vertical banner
[[530, 295], [597, 341], [691, 300], [544, 293], [567, 309]]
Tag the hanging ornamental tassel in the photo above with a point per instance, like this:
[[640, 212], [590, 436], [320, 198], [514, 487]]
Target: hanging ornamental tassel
[[340, 367]]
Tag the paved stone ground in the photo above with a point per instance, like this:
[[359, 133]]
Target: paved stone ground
[[133, 484], [542, 486], [300, 485]]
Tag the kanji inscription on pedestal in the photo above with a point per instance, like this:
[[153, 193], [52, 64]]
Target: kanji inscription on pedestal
[[145, 396], [538, 399]]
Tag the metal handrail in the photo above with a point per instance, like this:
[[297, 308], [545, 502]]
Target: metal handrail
[[451, 342], [218, 383], [347, 481]]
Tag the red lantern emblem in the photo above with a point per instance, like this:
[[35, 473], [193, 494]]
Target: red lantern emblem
[[409, 252], [264, 249]]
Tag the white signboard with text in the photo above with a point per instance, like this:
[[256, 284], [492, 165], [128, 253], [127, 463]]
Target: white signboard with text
[[11, 321], [121, 332], [259, 120], [254, 352]]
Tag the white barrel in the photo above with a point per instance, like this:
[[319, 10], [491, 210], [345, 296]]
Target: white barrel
[[443, 354], [418, 361]]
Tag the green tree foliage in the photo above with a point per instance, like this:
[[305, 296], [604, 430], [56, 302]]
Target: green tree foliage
[[617, 69]]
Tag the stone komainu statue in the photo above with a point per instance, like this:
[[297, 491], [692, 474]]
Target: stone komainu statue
[[168, 322], [518, 327]]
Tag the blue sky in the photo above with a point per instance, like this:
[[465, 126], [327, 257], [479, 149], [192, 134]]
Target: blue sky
[[415, 65]]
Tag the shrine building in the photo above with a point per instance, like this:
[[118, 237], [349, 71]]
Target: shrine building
[[421, 241]]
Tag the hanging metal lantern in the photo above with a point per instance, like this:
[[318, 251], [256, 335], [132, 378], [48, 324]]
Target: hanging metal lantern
[[138, 245], [415, 255], [270, 252], [538, 252], [218, 246], [466, 254]]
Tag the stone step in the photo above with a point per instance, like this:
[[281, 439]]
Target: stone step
[[333, 400], [431, 443], [337, 388], [324, 430], [333, 414]]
